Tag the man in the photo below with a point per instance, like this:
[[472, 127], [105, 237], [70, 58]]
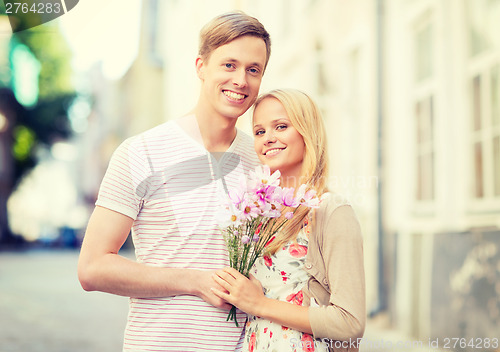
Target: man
[[165, 184]]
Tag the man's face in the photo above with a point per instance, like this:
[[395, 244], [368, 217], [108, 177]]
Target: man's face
[[231, 76]]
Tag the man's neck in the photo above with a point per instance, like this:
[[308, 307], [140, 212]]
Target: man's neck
[[217, 133]]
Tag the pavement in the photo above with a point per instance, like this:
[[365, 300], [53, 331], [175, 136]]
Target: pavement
[[44, 309]]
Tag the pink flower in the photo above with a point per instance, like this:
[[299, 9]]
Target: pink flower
[[236, 196], [289, 215], [228, 216], [245, 239], [271, 210], [268, 260], [297, 251], [265, 194], [308, 198], [288, 199], [263, 176], [307, 342], [296, 298], [248, 210], [251, 344], [283, 276]]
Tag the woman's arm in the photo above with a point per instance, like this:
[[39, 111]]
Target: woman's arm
[[247, 295], [101, 268], [343, 316]]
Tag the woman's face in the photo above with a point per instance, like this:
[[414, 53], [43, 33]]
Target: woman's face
[[277, 143]]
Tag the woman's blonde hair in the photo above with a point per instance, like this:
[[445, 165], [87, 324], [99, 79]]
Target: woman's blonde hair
[[306, 118], [229, 26]]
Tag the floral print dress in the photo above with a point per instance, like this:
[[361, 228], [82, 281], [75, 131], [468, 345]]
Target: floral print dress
[[283, 276]]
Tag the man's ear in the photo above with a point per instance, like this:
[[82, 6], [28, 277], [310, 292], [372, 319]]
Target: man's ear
[[200, 67]]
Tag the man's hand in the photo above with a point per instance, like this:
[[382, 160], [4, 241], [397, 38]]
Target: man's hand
[[204, 290], [244, 293]]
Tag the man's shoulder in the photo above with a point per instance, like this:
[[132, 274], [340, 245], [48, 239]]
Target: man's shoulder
[[160, 133], [244, 140]]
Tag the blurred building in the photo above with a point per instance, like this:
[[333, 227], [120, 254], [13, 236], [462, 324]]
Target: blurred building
[[123, 107], [441, 106]]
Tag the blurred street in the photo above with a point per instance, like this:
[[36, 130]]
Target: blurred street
[[43, 308]]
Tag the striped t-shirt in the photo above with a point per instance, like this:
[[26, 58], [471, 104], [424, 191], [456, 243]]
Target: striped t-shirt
[[171, 186]]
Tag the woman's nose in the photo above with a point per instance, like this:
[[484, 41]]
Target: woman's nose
[[270, 137]]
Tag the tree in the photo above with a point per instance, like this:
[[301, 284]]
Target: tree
[[45, 119]]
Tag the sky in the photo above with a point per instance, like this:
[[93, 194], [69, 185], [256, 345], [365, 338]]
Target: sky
[[104, 31]]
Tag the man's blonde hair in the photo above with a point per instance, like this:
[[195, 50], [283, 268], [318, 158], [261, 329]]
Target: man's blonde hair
[[229, 26], [305, 117]]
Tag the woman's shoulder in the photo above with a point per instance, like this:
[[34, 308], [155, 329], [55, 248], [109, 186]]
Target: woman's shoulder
[[331, 201], [335, 210]]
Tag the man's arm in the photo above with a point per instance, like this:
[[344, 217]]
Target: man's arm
[[100, 268]]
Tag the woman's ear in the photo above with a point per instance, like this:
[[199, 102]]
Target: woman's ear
[[200, 68]]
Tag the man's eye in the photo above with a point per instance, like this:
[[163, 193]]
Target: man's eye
[[254, 71], [229, 65]]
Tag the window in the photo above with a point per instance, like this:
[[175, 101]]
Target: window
[[423, 112], [484, 25], [424, 53], [154, 32], [485, 129], [424, 122], [484, 50]]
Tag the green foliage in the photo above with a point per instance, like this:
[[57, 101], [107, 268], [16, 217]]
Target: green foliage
[[49, 47], [47, 120], [24, 139]]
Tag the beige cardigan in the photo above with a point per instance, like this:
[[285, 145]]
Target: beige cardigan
[[335, 261]]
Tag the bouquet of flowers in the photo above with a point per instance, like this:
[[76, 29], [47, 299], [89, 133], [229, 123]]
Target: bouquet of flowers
[[254, 215]]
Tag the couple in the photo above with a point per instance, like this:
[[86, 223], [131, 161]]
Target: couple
[[164, 185]]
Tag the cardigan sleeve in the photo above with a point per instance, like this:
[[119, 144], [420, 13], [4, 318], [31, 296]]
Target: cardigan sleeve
[[342, 251]]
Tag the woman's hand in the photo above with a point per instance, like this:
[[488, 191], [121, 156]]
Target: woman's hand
[[244, 293]]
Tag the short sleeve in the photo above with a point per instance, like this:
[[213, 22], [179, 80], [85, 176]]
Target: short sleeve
[[123, 186]]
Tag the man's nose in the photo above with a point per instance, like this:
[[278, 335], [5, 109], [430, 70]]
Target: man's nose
[[240, 78]]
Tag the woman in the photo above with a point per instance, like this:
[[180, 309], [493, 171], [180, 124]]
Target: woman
[[307, 293]]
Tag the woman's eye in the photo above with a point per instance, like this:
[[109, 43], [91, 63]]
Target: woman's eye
[[258, 133], [281, 127]]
